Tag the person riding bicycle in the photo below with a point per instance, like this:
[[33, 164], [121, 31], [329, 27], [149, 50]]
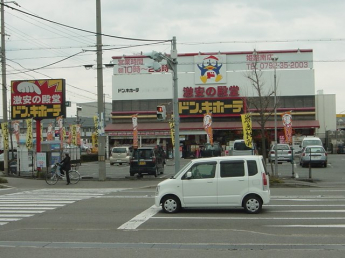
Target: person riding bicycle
[[66, 166]]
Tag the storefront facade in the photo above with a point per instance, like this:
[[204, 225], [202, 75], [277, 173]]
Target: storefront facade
[[216, 83]]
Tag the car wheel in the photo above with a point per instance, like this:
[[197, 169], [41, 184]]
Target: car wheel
[[131, 173], [156, 172], [325, 165], [111, 164], [171, 204], [120, 164], [252, 204]]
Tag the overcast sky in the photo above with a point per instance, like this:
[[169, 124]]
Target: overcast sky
[[199, 25]]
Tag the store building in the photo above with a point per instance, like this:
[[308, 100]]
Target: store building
[[213, 82]]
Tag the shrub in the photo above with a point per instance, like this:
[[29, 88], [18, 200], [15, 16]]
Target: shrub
[[3, 180]]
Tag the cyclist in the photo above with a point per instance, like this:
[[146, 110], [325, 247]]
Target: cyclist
[[66, 166]]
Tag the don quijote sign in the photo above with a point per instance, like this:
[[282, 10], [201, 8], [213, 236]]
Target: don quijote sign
[[38, 99]]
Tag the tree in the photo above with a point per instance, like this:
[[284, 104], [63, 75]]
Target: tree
[[263, 103]]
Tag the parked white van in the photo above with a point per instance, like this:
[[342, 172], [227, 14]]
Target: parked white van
[[311, 140], [228, 181]]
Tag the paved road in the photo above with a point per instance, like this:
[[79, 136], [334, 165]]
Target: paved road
[[117, 218]]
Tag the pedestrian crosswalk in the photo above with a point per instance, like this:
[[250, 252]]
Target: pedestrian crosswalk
[[21, 205]]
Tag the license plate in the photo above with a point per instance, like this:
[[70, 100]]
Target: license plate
[[142, 163], [315, 157], [118, 160]]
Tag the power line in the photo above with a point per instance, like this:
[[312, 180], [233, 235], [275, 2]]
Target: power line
[[95, 33]]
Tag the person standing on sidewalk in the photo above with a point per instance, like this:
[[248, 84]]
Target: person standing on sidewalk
[[66, 166]]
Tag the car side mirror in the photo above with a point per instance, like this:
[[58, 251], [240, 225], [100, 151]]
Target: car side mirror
[[189, 175]]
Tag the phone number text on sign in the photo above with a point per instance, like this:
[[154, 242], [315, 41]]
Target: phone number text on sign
[[278, 65]]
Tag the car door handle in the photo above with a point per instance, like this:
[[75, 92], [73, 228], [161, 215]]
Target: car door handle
[[241, 180]]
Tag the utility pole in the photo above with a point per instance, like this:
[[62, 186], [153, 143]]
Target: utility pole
[[101, 137], [175, 107], [275, 59], [4, 87]]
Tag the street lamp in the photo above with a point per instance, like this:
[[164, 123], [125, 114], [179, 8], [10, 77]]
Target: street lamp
[[274, 60], [172, 63]]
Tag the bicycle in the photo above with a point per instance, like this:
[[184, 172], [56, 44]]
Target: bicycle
[[54, 175]]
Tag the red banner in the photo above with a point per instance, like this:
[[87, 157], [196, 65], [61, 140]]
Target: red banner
[[287, 122], [208, 126]]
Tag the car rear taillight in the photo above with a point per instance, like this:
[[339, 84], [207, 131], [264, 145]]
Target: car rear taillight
[[272, 152], [289, 152], [264, 181], [303, 154], [325, 153], [154, 160]]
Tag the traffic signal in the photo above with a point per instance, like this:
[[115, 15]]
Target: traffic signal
[[161, 113]]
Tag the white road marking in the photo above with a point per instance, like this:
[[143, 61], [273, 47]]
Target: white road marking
[[26, 208], [312, 211], [31, 205], [248, 218], [15, 211], [304, 205], [135, 222], [308, 226], [16, 206], [16, 215]]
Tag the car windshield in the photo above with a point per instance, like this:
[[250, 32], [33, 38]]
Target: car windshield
[[314, 150], [119, 150], [241, 146], [212, 147], [282, 147], [312, 142], [143, 153], [182, 170]]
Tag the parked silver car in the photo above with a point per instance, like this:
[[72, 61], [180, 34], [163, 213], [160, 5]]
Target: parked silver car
[[284, 153], [313, 154], [120, 155]]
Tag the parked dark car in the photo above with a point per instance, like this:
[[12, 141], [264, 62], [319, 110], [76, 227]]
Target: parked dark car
[[211, 150], [146, 161]]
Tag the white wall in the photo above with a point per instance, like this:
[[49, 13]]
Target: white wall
[[325, 113]]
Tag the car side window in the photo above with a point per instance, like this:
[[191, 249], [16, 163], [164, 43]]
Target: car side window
[[203, 170], [233, 168], [252, 167]]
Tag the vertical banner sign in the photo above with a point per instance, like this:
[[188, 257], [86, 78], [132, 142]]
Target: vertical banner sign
[[208, 126], [74, 134], [135, 130], [59, 121], [287, 122], [172, 131], [41, 131], [50, 133], [29, 136], [95, 134], [4, 128], [16, 130], [247, 130], [69, 140], [78, 135]]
